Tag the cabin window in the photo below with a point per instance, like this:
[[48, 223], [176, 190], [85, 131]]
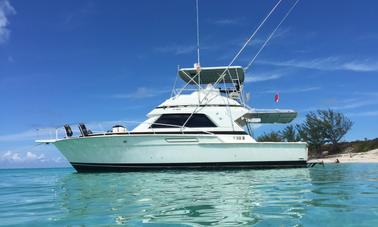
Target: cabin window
[[170, 120]]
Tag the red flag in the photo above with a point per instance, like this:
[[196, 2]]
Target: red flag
[[277, 97]]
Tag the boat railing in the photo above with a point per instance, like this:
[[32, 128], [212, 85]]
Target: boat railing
[[97, 129]]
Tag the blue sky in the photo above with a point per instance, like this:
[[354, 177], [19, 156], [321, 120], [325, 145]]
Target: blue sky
[[100, 61]]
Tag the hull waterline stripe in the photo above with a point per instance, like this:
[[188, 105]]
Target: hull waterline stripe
[[104, 167]]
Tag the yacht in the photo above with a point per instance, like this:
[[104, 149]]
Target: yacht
[[206, 124]]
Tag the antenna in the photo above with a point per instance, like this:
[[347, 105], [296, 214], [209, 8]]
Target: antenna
[[198, 41]]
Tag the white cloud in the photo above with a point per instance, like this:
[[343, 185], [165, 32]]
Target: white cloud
[[11, 156], [252, 78], [365, 114], [141, 92], [58, 159], [258, 41], [371, 94], [282, 32], [14, 156], [6, 9], [364, 66], [31, 156], [266, 75], [226, 21], [328, 64], [177, 49], [238, 42], [36, 158], [295, 90], [352, 104]]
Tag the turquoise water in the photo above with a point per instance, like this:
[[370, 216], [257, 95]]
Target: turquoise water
[[334, 195]]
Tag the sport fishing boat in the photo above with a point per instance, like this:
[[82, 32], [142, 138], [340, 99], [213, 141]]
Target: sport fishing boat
[[205, 128], [205, 124]]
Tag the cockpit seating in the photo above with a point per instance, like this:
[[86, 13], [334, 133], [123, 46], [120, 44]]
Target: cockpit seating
[[83, 130], [68, 129]]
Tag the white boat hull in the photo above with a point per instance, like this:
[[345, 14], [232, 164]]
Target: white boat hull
[[137, 152]]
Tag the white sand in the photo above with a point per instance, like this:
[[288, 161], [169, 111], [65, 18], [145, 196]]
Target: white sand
[[362, 157]]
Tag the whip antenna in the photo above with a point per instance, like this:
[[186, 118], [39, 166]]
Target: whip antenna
[[198, 41]]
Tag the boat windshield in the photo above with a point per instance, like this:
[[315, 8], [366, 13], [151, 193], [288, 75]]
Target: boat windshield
[[178, 120]]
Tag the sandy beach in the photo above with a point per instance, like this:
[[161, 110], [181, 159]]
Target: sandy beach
[[361, 157]]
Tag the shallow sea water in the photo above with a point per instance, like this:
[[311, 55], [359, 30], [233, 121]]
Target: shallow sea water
[[333, 195]]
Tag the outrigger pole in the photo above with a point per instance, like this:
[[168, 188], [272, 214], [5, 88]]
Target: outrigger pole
[[270, 36], [221, 77]]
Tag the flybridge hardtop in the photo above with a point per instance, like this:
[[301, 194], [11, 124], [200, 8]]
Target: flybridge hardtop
[[210, 75], [234, 75]]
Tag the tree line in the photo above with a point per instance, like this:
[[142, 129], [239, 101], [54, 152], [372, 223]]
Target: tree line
[[319, 128]]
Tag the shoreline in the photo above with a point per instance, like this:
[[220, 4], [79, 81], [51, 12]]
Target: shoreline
[[360, 157]]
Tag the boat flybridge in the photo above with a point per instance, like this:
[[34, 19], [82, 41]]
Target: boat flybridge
[[203, 125]]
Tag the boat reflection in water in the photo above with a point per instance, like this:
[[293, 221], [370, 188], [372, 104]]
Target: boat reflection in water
[[191, 197], [333, 195]]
